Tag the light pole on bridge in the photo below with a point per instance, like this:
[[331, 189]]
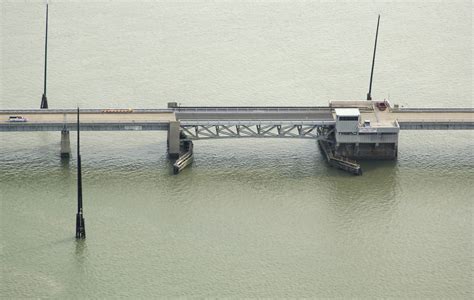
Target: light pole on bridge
[[369, 94]]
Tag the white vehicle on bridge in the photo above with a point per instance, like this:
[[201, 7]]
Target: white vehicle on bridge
[[17, 119]]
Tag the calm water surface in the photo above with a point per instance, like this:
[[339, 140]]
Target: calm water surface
[[250, 218]]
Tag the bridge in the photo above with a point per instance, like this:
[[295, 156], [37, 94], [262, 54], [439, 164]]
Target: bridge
[[218, 120], [345, 130]]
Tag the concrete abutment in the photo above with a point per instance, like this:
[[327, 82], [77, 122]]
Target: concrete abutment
[[179, 147], [173, 141]]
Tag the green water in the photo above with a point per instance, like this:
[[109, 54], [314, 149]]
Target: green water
[[250, 218]]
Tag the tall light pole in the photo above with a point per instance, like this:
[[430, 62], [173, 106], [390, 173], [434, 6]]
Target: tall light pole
[[80, 225], [44, 99], [369, 94]]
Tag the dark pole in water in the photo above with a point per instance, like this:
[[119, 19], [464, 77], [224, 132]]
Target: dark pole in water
[[44, 100], [80, 226], [369, 94]]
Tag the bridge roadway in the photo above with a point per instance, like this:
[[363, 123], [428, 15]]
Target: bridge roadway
[[156, 119], [91, 119], [159, 119], [422, 119]]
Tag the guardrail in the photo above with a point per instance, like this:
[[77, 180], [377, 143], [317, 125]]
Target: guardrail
[[436, 109], [436, 124], [73, 122], [82, 110], [58, 126], [168, 110], [260, 122], [436, 121], [251, 109], [218, 109]]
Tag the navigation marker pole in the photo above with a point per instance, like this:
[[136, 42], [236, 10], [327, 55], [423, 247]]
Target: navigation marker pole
[[80, 225], [44, 100], [369, 96]]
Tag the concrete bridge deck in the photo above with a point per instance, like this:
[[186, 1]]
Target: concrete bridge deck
[[159, 119], [155, 119], [373, 134], [420, 119], [91, 120]]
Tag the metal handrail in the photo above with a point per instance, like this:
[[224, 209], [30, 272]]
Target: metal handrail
[[257, 122], [251, 109]]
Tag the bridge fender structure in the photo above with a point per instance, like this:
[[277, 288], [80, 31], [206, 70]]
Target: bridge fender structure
[[186, 156], [65, 144], [173, 139]]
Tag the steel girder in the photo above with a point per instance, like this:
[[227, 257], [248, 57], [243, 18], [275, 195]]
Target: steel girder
[[199, 132]]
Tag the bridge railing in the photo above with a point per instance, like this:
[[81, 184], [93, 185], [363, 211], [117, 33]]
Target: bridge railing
[[251, 109], [170, 110], [253, 122], [440, 124], [83, 110], [73, 122], [436, 121], [434, 110]]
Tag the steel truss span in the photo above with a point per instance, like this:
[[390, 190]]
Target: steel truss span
[[200, 132]]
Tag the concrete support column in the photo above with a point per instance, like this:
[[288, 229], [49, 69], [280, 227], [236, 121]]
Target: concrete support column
[[65, 144], [173, 139]]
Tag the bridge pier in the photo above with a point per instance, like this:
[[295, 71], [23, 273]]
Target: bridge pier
[[173, 139], [370, 151], [65, 144]]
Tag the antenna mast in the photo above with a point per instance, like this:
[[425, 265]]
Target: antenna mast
[[80, 226], [369, 94], [44, 99]]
